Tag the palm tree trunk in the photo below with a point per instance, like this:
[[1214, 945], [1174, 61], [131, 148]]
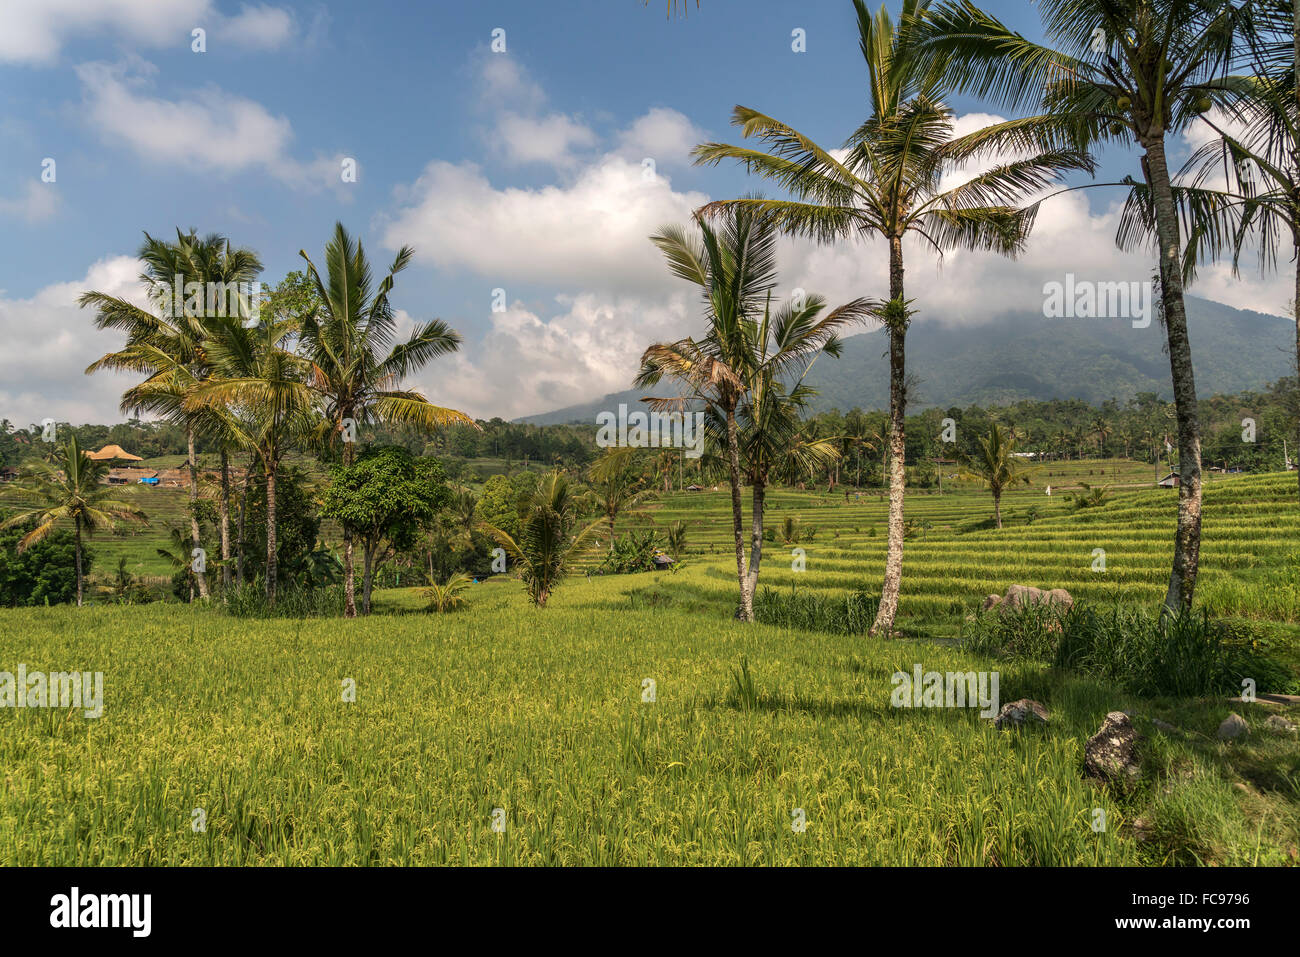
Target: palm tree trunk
[[758, 492], [884, 623], [224, 506], [194, 504], [1295, 242], [271, 569], [243, 521], [77, 554], [349, 574], [1187, 540], [997, 508], [746, 610]]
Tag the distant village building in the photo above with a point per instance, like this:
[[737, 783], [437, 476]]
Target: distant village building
[[110, 452], [1171, 480]]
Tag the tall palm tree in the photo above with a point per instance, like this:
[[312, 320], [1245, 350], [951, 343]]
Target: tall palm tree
[[996, 465], [168, 345], [743, 351], [547, 542], [262, 388], [1133, 72], [71, 492], [355, 364], [889, 185]]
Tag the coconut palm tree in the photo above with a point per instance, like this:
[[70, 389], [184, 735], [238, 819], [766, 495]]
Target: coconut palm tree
[[355, 365], [262, 389], [743, 351], [888, 185], [616, 485], [547, 542], [1134, 72], [167, 345], [995, 464], [71, 492]]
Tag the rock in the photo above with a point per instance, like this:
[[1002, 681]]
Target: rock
[[1018, 596], [1111, 753], [1280, 724], [1019, 712], [1233, 727]]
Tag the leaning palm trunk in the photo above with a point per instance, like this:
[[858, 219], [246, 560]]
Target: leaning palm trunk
[[746, 610], [241, 537], [884, 623], [1187, 539], [194, 504]]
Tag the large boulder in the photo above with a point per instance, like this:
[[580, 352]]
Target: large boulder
[[1020, 596], [1111, 753]]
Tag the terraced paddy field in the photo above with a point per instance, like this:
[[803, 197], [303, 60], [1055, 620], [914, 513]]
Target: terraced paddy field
[[543, 723]]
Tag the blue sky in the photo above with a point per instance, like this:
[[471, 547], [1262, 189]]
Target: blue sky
[[519, 171]]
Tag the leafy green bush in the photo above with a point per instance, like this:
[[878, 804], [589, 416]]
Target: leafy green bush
[[1183, 655], [850, 614], [634, 552], [292, 601]]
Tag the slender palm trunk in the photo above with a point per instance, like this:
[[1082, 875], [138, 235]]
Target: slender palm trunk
[[997, 507], [1187, 540], [884, 623], [271, 544], [758, 492], [349, 573], [224, 506], [243, 521], [746, 610], [194, 505], [1295, 306], [77, 554]]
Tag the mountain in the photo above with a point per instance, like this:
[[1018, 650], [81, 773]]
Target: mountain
[[1026, 356]]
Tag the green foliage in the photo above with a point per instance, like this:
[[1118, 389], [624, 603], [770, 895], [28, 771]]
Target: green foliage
[[744, 691], [633, 552], [448, 597], [850, 614], [1090, 497], [298, 548], [42, 574], [1181, 655]]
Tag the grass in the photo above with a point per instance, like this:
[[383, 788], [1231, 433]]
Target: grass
[[541, 713]]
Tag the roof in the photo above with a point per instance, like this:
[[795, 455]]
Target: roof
[[112, 452]]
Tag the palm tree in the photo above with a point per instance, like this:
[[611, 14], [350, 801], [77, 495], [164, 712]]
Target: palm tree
[[355, 366], [742, 350], [1101, 429], [262, 388], [888, 185], [169, 347], [1132, 72], [996, 466], [547, 542], [616, 484], [72, 492]]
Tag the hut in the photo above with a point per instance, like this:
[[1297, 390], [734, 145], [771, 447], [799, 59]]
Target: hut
[[1171, 480], [112, 452]]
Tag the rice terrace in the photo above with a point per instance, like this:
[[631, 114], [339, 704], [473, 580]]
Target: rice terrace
[[896, 469]]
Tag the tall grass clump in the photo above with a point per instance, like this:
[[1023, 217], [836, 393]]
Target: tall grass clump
[[1146, 653], [295, 601], [850, 614]]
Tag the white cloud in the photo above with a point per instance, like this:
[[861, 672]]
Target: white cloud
[[49, 341], [550, 139], [209, 130], [35, 31], [591, 233], [663, 135], [38, 202]]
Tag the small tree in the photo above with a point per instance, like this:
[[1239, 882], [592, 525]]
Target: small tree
[[547, 542], [996, 466], [385, 499]]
